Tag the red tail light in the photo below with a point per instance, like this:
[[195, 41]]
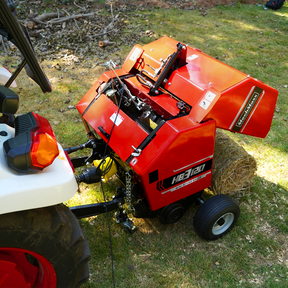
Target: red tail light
[[69, 161]]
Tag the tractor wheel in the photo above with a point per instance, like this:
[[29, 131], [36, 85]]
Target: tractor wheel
[[216, 217], [171, 213], [42, 248]]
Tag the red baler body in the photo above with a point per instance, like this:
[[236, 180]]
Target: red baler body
[[176, 157]]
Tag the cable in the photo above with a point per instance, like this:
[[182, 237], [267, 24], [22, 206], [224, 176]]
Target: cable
[[122, 91], [104, 198], [108, 166], [106, 146], [110, 237]]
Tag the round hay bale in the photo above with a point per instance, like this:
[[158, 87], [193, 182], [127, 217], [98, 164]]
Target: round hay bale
[[233, 168]]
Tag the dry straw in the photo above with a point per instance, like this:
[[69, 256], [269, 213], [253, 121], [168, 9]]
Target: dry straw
[[233, 168]]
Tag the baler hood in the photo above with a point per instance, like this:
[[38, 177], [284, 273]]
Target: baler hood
[[213, 90]]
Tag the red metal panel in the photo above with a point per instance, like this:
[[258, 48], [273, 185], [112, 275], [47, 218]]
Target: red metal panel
[[154, 149], [125, 133], [163, 104], [204, 71], [246, 108], [182, 161], [200, 72], [133, 58], [184, 88]]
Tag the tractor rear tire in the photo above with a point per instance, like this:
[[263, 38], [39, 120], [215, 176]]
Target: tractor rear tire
[[43, 247], [216, 217]]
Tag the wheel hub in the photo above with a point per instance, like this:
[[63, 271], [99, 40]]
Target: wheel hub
[[20, 268], [223, 223], [11, 275]]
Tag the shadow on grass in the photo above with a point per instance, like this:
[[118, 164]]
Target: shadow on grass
[[158, 255]]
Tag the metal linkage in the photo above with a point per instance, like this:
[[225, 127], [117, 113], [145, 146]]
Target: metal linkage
[[122, 218], [89, 210], [97, 146], [90, 144], [128, 188], [170, 63], [94, 209]]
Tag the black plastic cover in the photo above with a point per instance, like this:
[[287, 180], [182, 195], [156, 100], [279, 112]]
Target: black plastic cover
[[9, 101], [17, 149]]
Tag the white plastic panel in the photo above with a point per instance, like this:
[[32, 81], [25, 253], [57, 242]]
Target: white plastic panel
[[54, 185]]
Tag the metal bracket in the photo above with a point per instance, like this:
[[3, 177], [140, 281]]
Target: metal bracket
[[89, 210], [136, 152]]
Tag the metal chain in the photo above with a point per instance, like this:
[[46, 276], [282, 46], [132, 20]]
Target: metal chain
[[128, 188]]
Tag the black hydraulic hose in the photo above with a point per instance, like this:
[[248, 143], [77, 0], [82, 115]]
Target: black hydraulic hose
[[154, 90]]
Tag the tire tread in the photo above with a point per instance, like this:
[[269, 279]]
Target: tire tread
[[209, 210], [53, 232]]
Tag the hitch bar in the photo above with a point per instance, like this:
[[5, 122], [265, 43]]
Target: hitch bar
[[89, 210]]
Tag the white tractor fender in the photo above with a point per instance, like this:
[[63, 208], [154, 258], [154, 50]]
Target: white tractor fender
[[54, 185], [5, 75]]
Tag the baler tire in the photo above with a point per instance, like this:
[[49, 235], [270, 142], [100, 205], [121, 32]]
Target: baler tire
[[48, 244], [216, 217], [171, 213]]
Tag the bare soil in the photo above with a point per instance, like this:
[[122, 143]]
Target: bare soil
[[196, 4]]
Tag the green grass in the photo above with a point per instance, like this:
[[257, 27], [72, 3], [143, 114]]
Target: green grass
[[254, 253]]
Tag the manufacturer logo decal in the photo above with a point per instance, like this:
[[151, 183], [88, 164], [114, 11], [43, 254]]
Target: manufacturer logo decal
[[186, 183], [183, 176], [247, 109]]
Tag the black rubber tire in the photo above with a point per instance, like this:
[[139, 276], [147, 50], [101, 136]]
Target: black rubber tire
[[54, 233], [208, 215], [171, 213]]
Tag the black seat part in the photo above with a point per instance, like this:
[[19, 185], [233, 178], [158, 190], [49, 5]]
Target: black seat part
[[9, 101]]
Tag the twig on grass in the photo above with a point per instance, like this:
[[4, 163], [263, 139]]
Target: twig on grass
[[72, 17]]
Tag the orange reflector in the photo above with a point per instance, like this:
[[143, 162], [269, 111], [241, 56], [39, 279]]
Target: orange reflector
[[44, 145], [44, 150]]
